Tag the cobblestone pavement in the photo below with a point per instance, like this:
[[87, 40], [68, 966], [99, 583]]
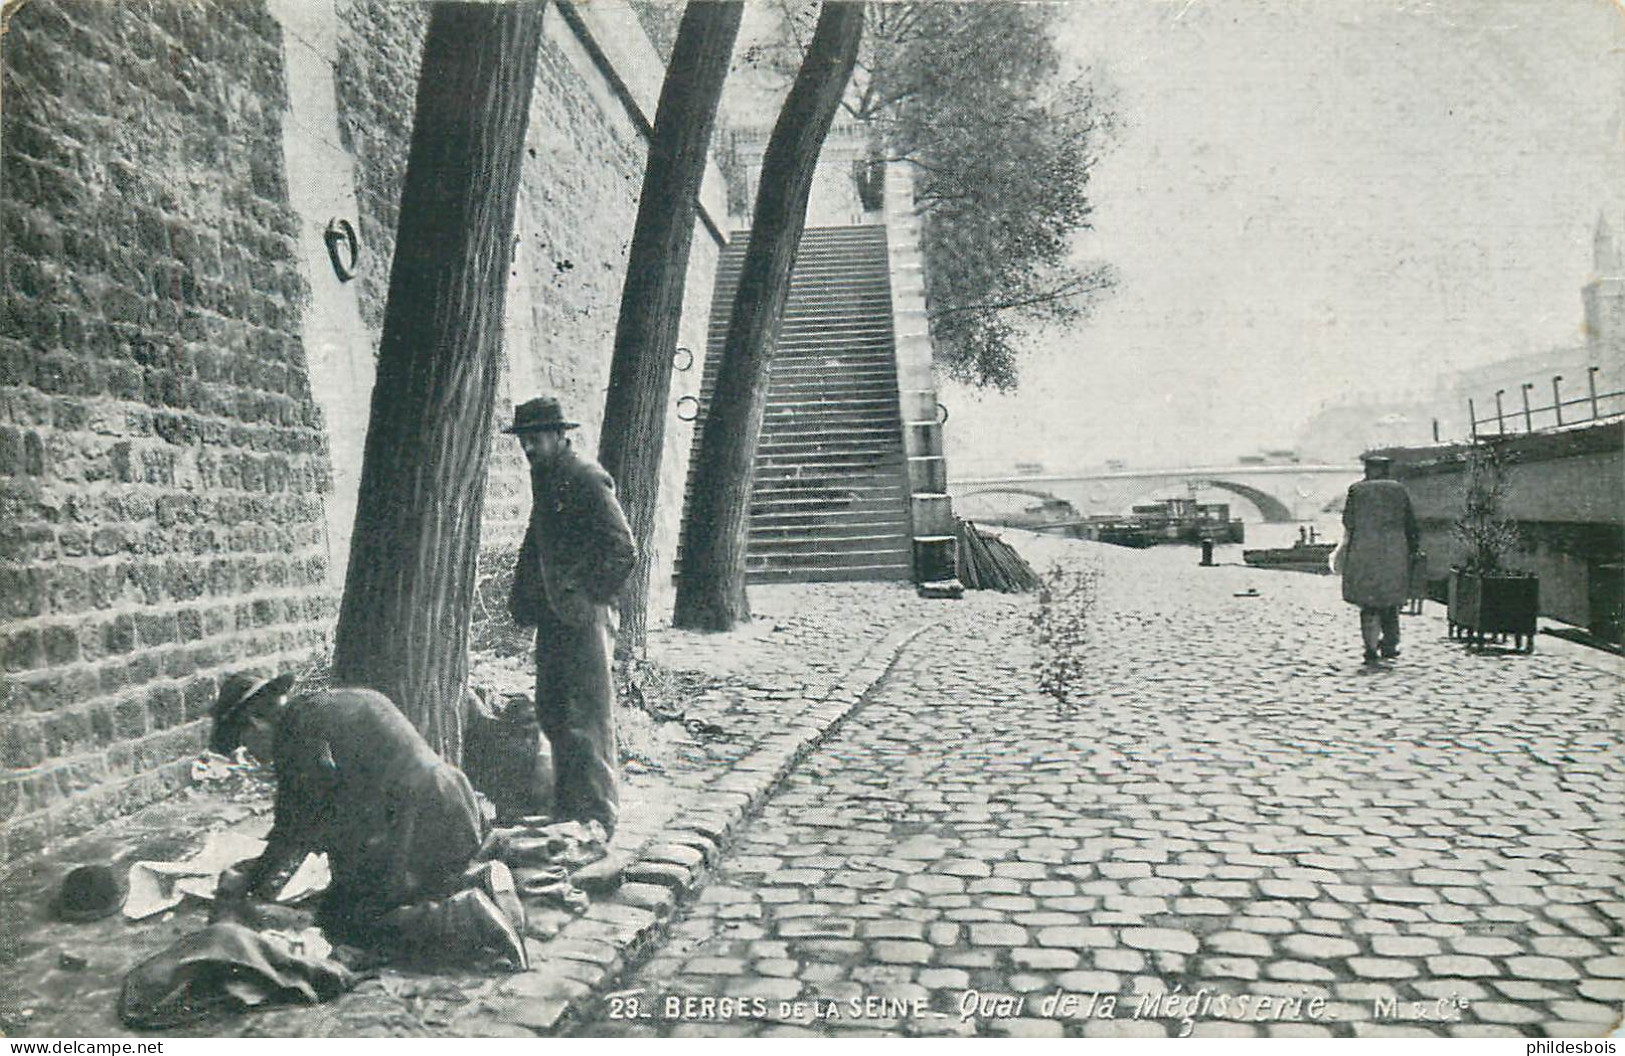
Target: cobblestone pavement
[[1238, 830]]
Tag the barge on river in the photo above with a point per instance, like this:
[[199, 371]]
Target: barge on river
[[1167, 521]]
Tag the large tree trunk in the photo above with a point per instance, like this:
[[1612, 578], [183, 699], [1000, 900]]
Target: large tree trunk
[[403, 625], [711, 590], [632, 440]]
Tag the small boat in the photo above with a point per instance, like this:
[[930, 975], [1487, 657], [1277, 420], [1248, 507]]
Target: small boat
[[1299, 557]]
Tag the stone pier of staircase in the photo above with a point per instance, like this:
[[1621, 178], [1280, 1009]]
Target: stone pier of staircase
[[931, 517]]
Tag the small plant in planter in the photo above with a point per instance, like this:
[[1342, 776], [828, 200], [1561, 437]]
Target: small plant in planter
[[1488, 600]]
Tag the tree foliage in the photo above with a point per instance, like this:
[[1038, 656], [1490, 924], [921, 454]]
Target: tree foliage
[[970, 95]]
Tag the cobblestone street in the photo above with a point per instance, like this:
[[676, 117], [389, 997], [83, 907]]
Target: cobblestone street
[[1239, 830]]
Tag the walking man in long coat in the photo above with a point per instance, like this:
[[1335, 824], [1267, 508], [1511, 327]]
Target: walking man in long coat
[[578, 551], [1379, 541]]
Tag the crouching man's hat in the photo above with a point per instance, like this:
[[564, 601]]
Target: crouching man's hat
[[539, 415], [91, 892]]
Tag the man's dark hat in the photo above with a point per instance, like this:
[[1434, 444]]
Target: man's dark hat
[[1376, 460], [240, 688], [539, 415], [91, 892]]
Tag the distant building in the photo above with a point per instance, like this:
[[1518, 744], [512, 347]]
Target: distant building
[[1343, 428], [1604, 297]]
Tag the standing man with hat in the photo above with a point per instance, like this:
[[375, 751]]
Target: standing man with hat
[[578, 551], [1379, 541]]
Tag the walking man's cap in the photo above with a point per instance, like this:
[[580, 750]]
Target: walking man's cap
[[539, 415]]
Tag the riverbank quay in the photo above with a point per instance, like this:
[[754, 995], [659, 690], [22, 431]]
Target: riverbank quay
[[1236, 828], [881, 826]]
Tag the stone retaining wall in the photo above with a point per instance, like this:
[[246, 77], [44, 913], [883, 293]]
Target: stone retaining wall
[[170, 427]]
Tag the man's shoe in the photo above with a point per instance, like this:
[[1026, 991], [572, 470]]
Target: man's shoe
[[1370, 656], [1390, 651]]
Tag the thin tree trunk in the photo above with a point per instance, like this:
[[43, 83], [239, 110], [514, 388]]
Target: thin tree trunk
[[403, 624], [632, 440], [711, 590]]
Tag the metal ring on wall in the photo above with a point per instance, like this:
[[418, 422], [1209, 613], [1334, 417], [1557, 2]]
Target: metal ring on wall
[[695, 400], [682, 359], [942, 414], [340, 233]]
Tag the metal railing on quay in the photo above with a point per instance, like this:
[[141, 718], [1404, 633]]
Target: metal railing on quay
[[1593, 406]]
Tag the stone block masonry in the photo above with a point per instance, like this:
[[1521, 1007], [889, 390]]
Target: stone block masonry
[[162, 462], [597, 84], [168, 444]]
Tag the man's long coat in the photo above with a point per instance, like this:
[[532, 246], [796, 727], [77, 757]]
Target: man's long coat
[[578, 547], [577, 553], [1379, 537]]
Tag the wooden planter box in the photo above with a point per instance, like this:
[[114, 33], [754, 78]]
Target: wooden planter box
[[1489, 608]]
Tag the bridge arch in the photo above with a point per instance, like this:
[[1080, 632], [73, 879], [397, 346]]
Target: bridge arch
[[1031, 493], [1272, 509]]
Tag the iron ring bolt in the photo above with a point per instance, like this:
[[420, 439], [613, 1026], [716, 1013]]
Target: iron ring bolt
[[343, 248]]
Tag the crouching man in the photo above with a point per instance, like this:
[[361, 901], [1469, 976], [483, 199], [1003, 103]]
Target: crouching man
[[399, 825]]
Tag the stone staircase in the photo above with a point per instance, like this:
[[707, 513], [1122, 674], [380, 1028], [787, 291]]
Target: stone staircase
[[830, 494]]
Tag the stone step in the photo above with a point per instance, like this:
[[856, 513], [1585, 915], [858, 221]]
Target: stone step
[[793, 403], [809, 522], [875, 295], [835, 384], [873, 440], [858, 260], [883, 571], [870, 276], [883, 553], [797, 474], [861, 574], [831, 456], [818, 339], [862, 432], [819, 480], [798, 423], [872, 528], [807, 548], [855, 483], [859, 352], [786, 503], [810, 341], [889, 558], [860, 366], [879, 443]]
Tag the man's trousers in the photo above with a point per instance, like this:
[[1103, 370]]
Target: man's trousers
[[1379, 627], [575, 705]]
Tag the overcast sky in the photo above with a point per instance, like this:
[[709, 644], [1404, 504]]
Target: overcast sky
[[1315, 197]]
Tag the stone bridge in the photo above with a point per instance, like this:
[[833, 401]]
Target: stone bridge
[[1276, 493]]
